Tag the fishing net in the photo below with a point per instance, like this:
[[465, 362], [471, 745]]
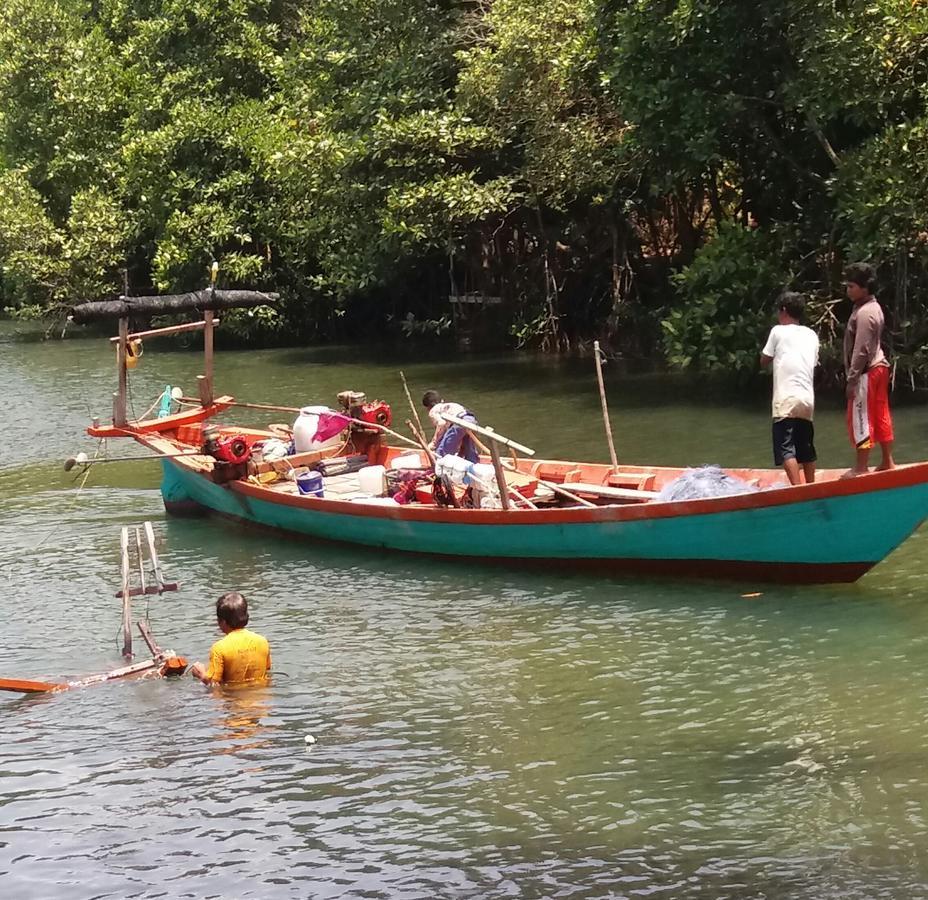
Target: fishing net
[[703, 484]]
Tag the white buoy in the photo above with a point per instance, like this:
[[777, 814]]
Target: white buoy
[[81, 457], [310, 739]]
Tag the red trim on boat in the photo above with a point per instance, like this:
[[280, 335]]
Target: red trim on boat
[[903, 476], [168, 423]]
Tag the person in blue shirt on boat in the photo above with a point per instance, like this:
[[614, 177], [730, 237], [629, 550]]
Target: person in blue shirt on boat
[[450, 438], [793, 350]]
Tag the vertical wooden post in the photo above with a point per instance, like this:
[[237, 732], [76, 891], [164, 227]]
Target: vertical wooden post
[[126, 596], [141, 559], [153, 553], [119, 408], [500, 474], [602, 399], [208, 355]]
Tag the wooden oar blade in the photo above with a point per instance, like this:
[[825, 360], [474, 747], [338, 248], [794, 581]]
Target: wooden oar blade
[[21, 686]]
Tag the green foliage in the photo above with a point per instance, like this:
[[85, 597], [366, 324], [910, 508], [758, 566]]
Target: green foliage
[[97, 238], [727, 298], [599, 165], [31, 248]]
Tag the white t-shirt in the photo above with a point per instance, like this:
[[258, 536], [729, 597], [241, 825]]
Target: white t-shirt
[[794, 349]]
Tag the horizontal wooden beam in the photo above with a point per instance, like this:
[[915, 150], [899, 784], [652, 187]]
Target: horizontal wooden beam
[[152, 589], [169, 329], [488, 433]]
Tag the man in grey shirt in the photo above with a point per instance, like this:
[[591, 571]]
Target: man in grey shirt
[[868, 418]]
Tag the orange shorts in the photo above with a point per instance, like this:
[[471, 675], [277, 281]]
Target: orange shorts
[[868, 418]]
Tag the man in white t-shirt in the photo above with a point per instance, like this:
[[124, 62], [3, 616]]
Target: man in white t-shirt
[[450, 438], [793, 350]]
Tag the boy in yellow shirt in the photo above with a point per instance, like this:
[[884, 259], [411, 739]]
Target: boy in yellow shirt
[[241, 657]]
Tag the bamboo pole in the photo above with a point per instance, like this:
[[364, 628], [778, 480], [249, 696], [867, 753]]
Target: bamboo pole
[[421, 439], [412, 406], [602, 399], [126, 599]]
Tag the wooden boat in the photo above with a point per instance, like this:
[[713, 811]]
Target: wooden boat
[[832, 531]]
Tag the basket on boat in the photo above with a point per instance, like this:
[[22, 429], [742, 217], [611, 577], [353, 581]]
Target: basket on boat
[[396, 478]]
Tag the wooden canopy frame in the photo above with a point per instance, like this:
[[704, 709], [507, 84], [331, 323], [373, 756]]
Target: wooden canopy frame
[[207, 301]]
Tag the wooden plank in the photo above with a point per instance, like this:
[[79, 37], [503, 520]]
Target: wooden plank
[[208, 355], [170, 329], [149, 639], [166, 661], [124, 672], [152, 589], [487, 433], [204, 390], [168, 423], [557, 489], [21, 686], [140, 558], [126, 599], [600, 490]]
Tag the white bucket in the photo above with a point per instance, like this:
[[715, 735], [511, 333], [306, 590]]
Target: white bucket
[[407, 461], [372, 480]]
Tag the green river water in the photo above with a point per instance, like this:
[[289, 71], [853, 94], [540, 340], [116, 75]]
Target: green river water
[[480, 732]]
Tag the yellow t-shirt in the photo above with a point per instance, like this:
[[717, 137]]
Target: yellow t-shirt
[[240, 657]]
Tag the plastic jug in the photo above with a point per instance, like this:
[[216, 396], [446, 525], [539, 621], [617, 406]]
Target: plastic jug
[[305, 427], [372, 480], [408, 461]]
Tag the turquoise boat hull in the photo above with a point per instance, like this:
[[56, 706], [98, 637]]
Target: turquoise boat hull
[[828, 532]]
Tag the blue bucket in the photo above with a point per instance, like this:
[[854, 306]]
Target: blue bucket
[[310, 484]]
